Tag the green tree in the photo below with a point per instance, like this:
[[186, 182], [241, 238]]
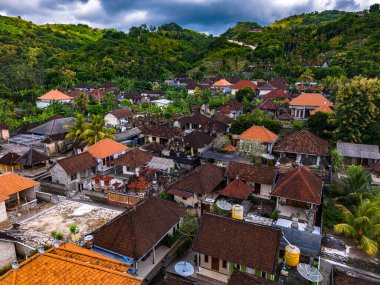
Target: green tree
[[245, 93], [76, 129], [307, 76], [81, 102], [320, 124], [96, 130], [336, 160]]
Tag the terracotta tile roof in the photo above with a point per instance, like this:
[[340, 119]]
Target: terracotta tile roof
[[268, 86], [9, 159], [161, 131], [195, 118], [3, 198], [304, 142], [105, 148], [229, 148], [237, 189], [69, 265], [11, 183], [136, 231], [233, 105], [135, 157], [75, 93], [324, 109], [285, 117], [54, 95], [268, 104], [243, 278], [214, 126], [224, 119], [122, 113], [77, 163], [299, 184], [277, 93], [259, 133], [279, 84], [222, 83], [251, 173], [153, 147], [311, 99], [248, 244], [180, 193], [197, 139], [201, 180], [244, 84]]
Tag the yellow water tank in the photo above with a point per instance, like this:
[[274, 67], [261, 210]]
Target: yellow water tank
[[292, 255], [237, 212]]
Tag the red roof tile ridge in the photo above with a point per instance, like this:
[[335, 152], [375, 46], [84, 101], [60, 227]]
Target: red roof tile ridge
[[301, 171]]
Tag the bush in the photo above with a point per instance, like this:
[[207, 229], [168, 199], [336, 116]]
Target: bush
[[331, 214], [166, 196], [57, 235]]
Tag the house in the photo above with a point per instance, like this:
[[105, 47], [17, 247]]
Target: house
[[243, 84], [118, 118], [166, 165], [161, 134], [260, 134], [359, 154], [73, 170], [150, 95], [8, 162], [275, 94], [105, 152], [244, 278], [140, 235], [260, 178], [32, 158], [10, 248], [194, 187], [69, 264], [133, 161], [375, 172], [323, 109], [266, 88], [215, 128], [301, 106], [303, 144], [4, 132], [53, 95], [16, 190], [225, 245], [129, 136], [161, 102], [237, 190], [197, 142], [192, 122], [85, 87], [153, 147], [221, 85], [269, 107], [232, 109], [134, 97]]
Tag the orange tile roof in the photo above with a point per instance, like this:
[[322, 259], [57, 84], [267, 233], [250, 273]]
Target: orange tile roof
[[54, 95], [311, 99], [244, 84], [106, 148], [324, 109], [259, 133], [69, 266], [3, 198], [11, 183], [229, 148], [222, 82]]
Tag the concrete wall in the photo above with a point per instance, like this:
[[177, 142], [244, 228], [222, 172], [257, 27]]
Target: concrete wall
[[7, 253], [3, 212], [111, 120], [4, 134], [188, 202], [58, 175], [28, 194]]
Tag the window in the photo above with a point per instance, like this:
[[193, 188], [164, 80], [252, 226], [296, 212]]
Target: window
[[73, 176], [183, 198], [206, 258], [224, 263]]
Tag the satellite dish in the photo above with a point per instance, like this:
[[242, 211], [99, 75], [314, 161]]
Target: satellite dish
[[268, 156], [309, 272], [184, 268], [222, 204]]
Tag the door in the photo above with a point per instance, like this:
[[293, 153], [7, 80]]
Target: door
[[205, 207], [257, 188], [215, 264]]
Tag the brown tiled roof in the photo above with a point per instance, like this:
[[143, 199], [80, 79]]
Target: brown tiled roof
[[279, 84], [268, 86], [224, 119], [299, 184], [233, 105], [170, 279], [251, 173], [237, 189], [75, 93], [304, 142], [243, 278], [161, 131], [195, 118], [180, 193], [285, 117], [136, 231], [244, 84], [214, 126], [134, 158], [77, 163], [268, 104], [122, 113], [197, 139], [277, 93], [9, 159], [201, 180], [245, 243], [153, 147]]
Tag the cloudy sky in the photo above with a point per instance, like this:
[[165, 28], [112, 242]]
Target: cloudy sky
[[210, 16]]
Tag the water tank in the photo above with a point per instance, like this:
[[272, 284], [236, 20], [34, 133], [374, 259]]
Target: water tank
[[237, 212], [88, 241], [292, 255]]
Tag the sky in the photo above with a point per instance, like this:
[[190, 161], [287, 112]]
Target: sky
[[209, 16]]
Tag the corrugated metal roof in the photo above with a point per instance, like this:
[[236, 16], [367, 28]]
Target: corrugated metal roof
[[358, 150]]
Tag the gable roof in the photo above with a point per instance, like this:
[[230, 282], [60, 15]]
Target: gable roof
[[195, 118], [299, 184], [285, 117], [135, 157], [9, 159], [251, 173], [32, 157], [222, 83], [53, 127], [268, 104], [304, 142], [242, 278], [153, 147], [245, 243], [276, 93], [11, 183], [237, 189], [259, 133], [161, 131], [224, 119], [136, 231], [311, 99], [105, 148], [122, 113], [267, 86], [55, 95], [197, 139], [244, 84], [77, 163], [201, 180], [324, 109], [358, 150]]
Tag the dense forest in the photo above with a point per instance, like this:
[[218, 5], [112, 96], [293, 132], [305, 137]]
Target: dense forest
[[37, 58]]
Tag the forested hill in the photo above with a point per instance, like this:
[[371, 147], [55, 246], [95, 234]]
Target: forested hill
[[35, 58]]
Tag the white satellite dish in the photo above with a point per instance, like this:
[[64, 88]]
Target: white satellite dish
[[184, 268], [268, 156], [309, 272], [224, 205]]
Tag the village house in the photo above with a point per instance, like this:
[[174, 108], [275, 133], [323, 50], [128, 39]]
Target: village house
[[161, 102], [232, 109], [130, 136], [4, 132], [269, 107], [193, 188], [375, 172], [85, 87], [69, 263], [225, 245], [118, 118], [237, 191], [32, 159], [260, 134], [192, 122], [53, 95], [301, 106], [162, 164], [260, 178], [141, 235], [73, 170], [150, 95], [303, 144], [266, 88], [275, 94], [241, 85], [197, 142], [221, 85], [133, 161], [134, 97], [359, 154], [105, 152], [16, 191], [8, 162], [161, 134], [10, 248]]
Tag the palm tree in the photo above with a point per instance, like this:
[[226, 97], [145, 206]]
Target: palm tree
[[76, 129], [363, 225], [96, 130]]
